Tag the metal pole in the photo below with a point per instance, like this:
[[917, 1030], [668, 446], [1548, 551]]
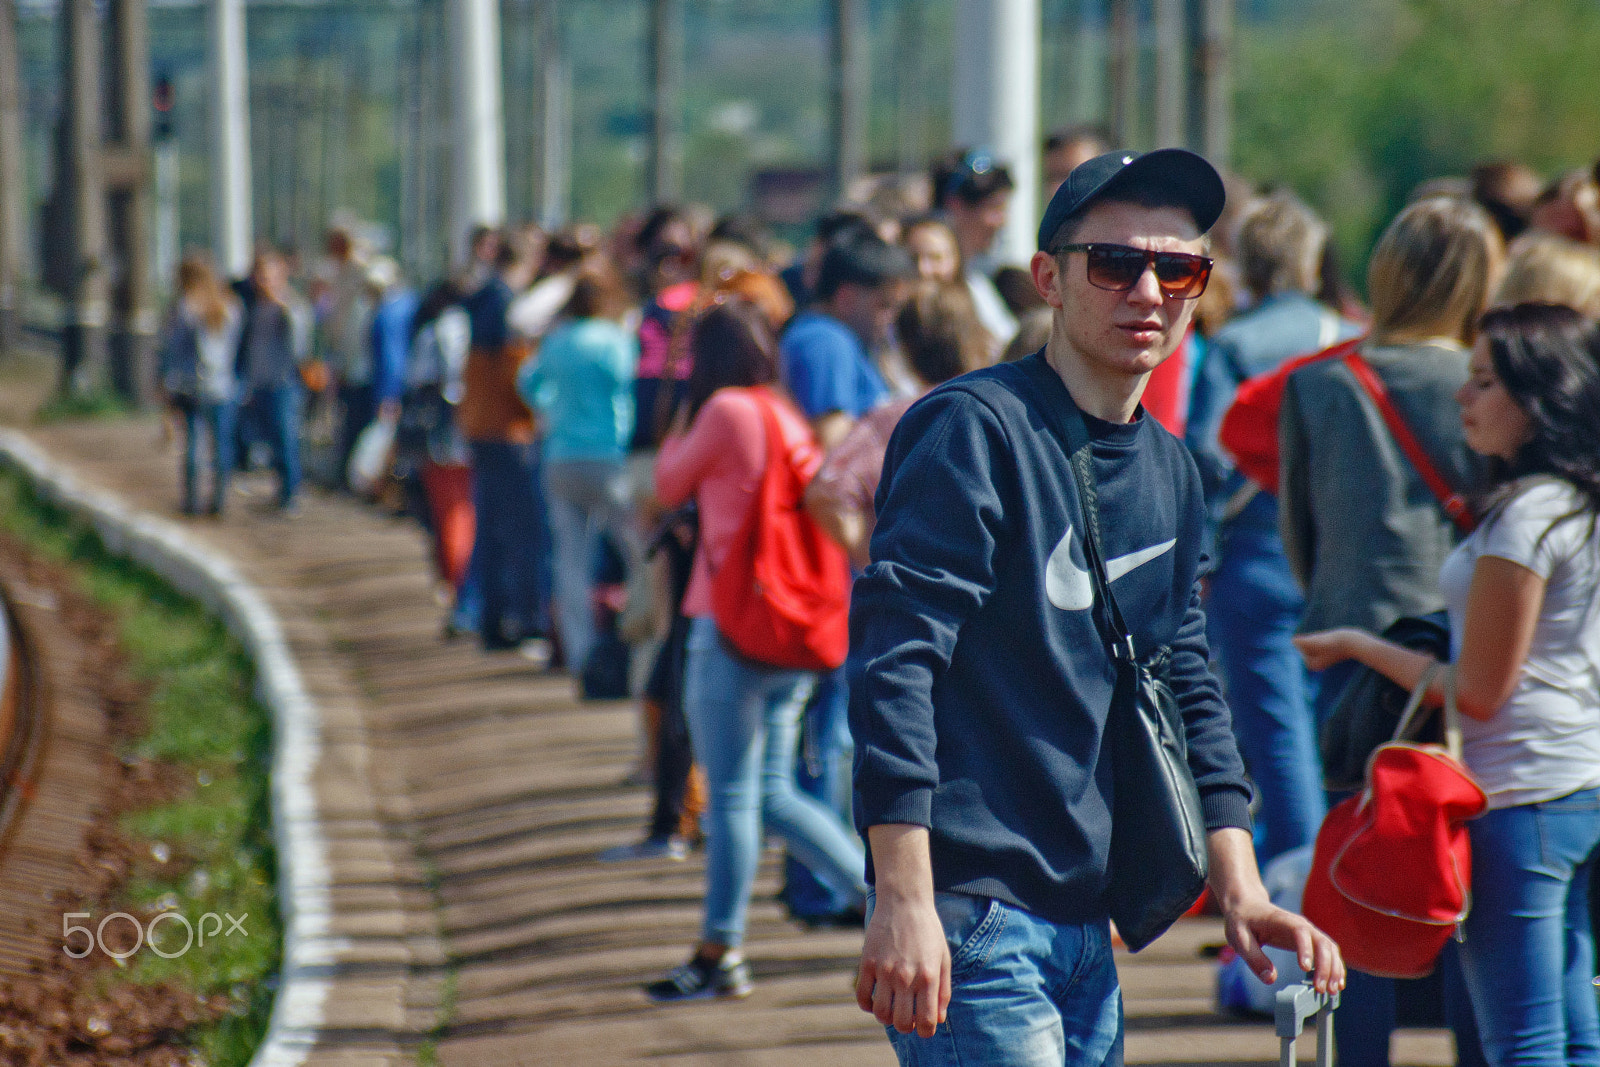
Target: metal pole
[[232, 227], [910, 99], [847, 89], [666, 100], [84, 352], [13, 195], [1088, 102], [1216, 72], [1172, 80], [996, 104], [132, 207], [1124, 72], [479, 150], [555, 127]]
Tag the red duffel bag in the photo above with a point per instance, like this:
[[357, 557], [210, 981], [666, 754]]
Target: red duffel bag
[[1391, 877]]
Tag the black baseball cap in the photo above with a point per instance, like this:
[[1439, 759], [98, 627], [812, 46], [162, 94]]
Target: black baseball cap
[[1192, 180]]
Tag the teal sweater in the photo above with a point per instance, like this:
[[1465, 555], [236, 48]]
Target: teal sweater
[[581, 384]]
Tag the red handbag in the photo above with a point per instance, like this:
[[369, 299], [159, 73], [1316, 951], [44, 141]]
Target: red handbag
[[781, 596], [1391, 876]]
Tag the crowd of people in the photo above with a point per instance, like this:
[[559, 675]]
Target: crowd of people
[[585, 421]]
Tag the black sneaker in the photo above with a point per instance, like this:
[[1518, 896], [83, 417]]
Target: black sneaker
[[698, 979]]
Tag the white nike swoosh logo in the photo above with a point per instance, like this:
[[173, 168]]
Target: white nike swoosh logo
[[1070, 587]]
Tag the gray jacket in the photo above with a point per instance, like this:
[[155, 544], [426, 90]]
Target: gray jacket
[[1363, 534]]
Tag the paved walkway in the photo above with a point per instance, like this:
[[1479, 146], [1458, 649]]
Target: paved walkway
[[470, 794]]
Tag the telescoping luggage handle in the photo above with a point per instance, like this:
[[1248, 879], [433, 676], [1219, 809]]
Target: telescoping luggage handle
[[1293, 1008]]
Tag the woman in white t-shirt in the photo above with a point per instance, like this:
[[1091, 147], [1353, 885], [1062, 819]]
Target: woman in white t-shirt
[[1525, 624]]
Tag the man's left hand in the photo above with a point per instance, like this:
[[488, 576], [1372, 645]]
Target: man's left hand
[[1257, 922]]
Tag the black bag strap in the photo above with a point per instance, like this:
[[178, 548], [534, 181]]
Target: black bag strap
[[1075, 432]]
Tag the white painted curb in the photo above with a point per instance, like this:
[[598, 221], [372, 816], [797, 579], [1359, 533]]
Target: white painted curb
[[303, 877]]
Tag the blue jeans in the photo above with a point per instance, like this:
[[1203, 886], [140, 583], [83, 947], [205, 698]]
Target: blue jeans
[[216, 420], [1254, 607], [743, 724], [276, 410], [510, 541], [586, 498], [824, 773], [1024, 992], [1529, 951]]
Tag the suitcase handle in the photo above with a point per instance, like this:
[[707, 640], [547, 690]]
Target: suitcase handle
[[1292, 1008]]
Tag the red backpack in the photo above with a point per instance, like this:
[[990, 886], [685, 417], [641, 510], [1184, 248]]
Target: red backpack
[[1249, 430], [781, 596]]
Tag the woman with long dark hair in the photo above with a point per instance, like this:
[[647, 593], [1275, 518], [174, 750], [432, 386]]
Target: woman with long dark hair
[[1523, 592], [743, 715]]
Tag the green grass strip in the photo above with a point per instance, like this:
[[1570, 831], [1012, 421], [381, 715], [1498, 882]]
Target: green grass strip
[[202, 717]]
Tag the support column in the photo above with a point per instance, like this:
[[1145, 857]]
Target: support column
[[1123, 61], [81, 191], [479, 154], [996, 104], [666, 101], [555, 126], [847, 91], [911, 102], [1216, 75], [131, 208], [232, 225], [1172, 81], [13, 195]]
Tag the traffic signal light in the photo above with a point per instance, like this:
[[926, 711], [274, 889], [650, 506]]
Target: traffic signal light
[[161, 97]]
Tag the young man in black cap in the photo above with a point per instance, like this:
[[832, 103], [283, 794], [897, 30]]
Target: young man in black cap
[[983, 684]]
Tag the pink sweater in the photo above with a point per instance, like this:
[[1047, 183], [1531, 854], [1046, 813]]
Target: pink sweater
[[719, 462]]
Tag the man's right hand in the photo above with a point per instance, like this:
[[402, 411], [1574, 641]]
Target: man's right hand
[[904, 979]]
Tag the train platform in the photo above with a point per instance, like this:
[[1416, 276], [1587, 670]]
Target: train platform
[[464, 797]]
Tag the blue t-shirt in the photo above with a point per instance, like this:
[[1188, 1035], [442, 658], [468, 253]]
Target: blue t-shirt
[[581, 382], [827, 368]]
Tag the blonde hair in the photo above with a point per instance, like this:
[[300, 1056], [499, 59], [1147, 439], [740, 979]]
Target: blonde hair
[[1432, 271], [199, 286], [1280, 245], [1546, 268]]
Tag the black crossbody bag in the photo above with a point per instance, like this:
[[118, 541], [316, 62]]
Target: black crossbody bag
[[1159, 862]]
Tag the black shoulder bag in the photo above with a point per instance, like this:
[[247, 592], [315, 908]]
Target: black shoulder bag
[[1159, 860]]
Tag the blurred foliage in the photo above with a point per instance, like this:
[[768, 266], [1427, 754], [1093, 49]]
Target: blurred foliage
[[1357, 106]]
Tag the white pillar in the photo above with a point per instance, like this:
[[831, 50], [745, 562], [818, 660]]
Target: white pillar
[[996, 104], [232, 227], [1172, 75], [478, 146]]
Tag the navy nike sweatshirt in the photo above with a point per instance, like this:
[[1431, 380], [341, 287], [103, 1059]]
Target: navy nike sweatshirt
[[980, 684]]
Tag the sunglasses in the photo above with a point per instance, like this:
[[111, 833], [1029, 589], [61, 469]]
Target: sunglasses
[[1118, 268]]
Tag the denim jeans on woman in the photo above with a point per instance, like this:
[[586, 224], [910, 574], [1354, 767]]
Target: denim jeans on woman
[[1529, 949], [586, 498], [216, 420], [744, 721], [1024, 992]]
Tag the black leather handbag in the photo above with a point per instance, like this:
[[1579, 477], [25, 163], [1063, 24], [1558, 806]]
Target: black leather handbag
[[1368, 710], [1159, 862]]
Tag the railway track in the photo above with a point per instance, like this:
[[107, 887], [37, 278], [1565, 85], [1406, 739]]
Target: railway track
[[23, 720]]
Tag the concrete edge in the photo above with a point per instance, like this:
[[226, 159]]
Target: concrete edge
[[304, 899]]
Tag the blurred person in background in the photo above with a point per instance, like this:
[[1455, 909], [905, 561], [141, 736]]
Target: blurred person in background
[[801, 275], [1066, 148], [744, 717], [581, 385], [511, 538], [198, 349], [274, 343], [1507, 191], [1254, 604], [933, 247], [1548, 269], [1361, 530], [974, 193], [344, 321], [1570, 207], [388, 349], [940, 337], [534, 310]]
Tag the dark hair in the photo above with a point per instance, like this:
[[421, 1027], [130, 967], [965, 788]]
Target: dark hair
[[969, 175], [1146, 191], [841, 222], [732, 345], [743, 229], [1083, 133], [659, 219], [597, 291], [940, 333], [1548, 358], [863, 259]]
